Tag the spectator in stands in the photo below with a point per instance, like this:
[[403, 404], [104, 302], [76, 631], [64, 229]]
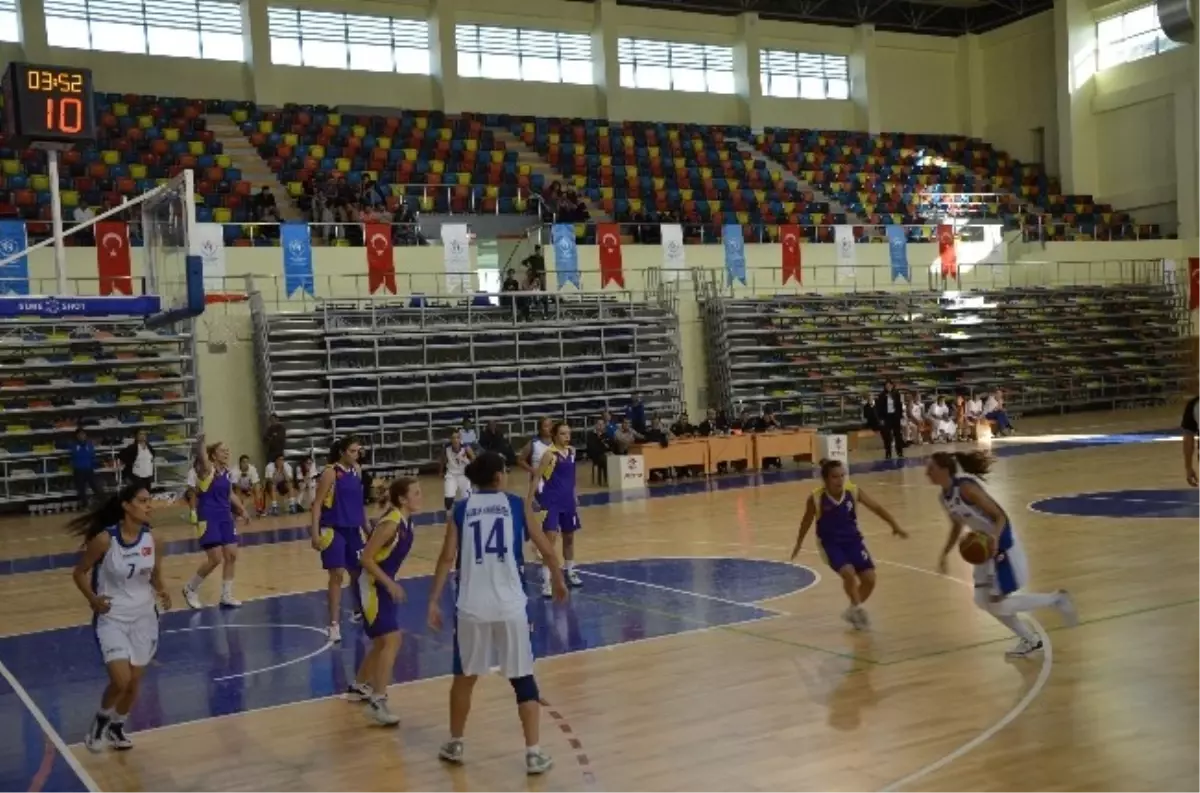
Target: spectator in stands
[[746, 422], [535, 265], [407, 232], [83, 466], [275, 438], [137, 461], [890, 410], [964, 431], [993, 410], [599, 446], [713, 424], [493, 439], [625, 436], [263, 201], [1190, 424], [636, 414], [467, 434], [683, 428], [610, 424], [371, 195], [281, 481]]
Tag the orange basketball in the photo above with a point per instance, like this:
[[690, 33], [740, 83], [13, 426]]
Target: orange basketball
[[977, 547]]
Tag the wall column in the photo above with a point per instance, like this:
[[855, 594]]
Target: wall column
[[31, 18], [1075, 66], [606, 71], [444, 56], [747, 71], [1187, 203], [256, 44], [972, 87], [863, 75]]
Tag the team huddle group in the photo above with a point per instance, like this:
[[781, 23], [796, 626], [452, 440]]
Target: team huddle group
[[486, 532]]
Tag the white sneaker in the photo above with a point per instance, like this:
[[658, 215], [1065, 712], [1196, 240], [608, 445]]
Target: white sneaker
[[573, 578], [1066, 607], [117, 738], [358, 692], [854, 616], [96, 739], [864, 619], [452, 751], [377, 710], [1024, 648], [334, 633], [230, 602], [547, 590], [192, 598], [538, 762]]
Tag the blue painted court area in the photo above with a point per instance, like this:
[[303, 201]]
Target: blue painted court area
[[273, 652], [1124, 504]]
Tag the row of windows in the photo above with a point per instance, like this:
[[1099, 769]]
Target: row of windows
[[1130, 36], [539, 56], [210, 29], [334, 40]]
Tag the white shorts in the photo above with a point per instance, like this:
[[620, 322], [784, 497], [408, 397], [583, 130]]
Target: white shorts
[[456, 486], [478, 646], [1004, 574], [134, 641]]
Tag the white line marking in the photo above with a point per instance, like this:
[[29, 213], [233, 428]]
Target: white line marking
[[674, 591], [59, 744], [327, 645]]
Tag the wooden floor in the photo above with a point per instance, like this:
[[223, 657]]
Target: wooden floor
[[796, 701]]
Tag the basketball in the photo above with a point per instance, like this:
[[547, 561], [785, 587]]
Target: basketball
[[977, 547], [326, 538]]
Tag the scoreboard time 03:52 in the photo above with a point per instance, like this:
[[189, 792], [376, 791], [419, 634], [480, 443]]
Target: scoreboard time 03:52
[[49, 104]]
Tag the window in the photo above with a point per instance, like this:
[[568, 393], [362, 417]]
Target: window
[[804, 75], [208, 29], [10, 30], [675, 66], [1130, 36], [538, 56], [333, 40]]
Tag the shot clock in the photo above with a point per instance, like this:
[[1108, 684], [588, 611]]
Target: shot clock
[[50, 106]]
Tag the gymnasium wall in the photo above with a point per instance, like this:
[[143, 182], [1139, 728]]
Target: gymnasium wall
[[228, 380]]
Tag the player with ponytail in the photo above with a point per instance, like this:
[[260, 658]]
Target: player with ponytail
[[216, 507]]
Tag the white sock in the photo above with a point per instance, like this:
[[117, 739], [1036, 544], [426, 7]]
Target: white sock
[[119, 718], [570, 564], [530, 749], [194, 584], [1018, 627], [226, 589], [1031, 601], [106, 713], [545, 574]]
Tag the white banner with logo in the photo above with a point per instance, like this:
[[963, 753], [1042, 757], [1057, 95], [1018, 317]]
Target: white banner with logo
[[208, 243], [674, 259], [847, 254], [456, 247]]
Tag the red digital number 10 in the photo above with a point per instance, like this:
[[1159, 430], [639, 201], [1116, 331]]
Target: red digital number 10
[[68, 119]]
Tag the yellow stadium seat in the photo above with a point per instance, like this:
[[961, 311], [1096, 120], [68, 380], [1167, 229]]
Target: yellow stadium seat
[[373, 174], [426, 203], [422, 122], [145, 122], [137, 171], [580, 230], [524, 169], [342, 243], [463, 178], [39, 181], [602, 132], [471, 144], [120, 109], [553, 138], [410, 155], [653, 151], [342, 164], [659, 182], [358, 131], [222, 215], [672, 134], [606, 160], [445, 134], [606, 193], [384, 143], [687, 194], [631, 171], [635, 204], [497, 157], [335, 118], [295, 189], [290, 138], [224, 161], [743, 217], [706, 173], [196, 147], [70, 198], [110, 157], [397, 189], [239, 116], [316, 151], [519, 204], [10, 167], [266, 127], [437, 166], [491, 191], [171, 134]]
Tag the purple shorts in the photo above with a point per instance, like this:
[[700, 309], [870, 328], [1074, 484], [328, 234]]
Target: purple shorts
[[561, 520], [847, 551], [378, 609], [215, 533], [342, 553]]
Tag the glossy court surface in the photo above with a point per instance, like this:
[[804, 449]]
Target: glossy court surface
[[694, 657]]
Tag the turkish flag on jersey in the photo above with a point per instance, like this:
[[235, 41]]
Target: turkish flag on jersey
[[381, 267], [1193, 283], [112, 257], [946, 253], [608, 237], [789, 237]]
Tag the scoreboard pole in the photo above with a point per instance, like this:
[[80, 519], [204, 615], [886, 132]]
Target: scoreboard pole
[[60, 248]]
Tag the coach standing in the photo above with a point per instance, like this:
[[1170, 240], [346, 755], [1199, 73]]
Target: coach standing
[[1191, 427], [890, 410]]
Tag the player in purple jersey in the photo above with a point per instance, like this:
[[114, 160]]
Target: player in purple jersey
[[833, 507], [387, 547], [216, 506], [339, 524], [556, 495]]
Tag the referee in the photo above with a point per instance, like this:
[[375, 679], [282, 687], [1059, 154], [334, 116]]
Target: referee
[[1191, 427]]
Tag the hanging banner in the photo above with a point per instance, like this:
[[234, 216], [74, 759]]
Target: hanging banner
[[847, 254], [566, 254], [735, 253], [946, 252], [789, 237], [1193, 283], [14, 276], [381, 265], [674, 259], [113, 263], [898, 252], [456, 253], [297, 258], [608, 236], [54, 307]]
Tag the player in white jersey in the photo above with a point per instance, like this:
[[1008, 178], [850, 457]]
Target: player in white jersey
[[455, 457], [998, 580], [120, 574], [530, 459], [485, 535]]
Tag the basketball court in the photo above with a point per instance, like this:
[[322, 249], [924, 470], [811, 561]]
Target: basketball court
[[694, 657]]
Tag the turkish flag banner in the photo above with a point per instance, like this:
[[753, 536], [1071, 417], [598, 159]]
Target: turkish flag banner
[[946, 253], [381, 267], [608, 237], [1193, 283], [789, 238], [112, 258]]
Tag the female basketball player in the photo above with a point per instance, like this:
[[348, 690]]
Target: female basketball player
[[387, 546], [339, 507], [454, 466], [997, 580], [120, 574], [484, 537], [833, 507], [556, 496], [216, 506], [530, 459]]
